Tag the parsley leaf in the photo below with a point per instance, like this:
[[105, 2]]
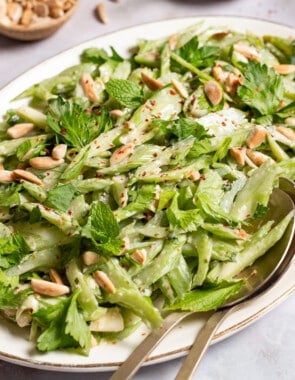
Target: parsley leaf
[[100, 56], [125, 92], [262, 89], [74, 125], [185, 127], [9, 299], [203, 56], [12, 250], [61, 196]]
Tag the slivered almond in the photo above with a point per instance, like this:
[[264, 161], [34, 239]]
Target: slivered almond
[[6, 176], [287, 132], [284, 69], [48, 288], [14, 12], [90, 258], [104, 281], [139, 256], [121, 153], [89, 88], [219, 74], [172, 42], [257, 157], [247, 51], [44, 163], [192, 174], [256, 137], [290, 121], [152, 83], [55, 276], [238, 154], [180, 88], [116, 113], [27, 176], [101, 13], [232, 82], [27, 17], [20, 130], [213, 92], [59, 151]]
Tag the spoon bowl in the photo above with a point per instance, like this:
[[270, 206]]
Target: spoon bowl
[[42, 28]]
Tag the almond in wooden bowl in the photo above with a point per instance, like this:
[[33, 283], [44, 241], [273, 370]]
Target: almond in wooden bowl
[[29, 20]]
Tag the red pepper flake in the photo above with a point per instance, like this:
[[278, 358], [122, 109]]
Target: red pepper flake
[[63, 131]]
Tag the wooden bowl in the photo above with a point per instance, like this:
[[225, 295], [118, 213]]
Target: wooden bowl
[[42, 28]]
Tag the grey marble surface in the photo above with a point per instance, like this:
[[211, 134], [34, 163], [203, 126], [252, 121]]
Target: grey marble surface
[[263, 351]]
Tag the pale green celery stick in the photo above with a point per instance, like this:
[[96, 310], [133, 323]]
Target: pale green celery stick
[[257, 246], [204, 246], [9, 147], [61, 81], [166, 288], [276, 149], [153, 227], [188, 33], [149, 52], [119, 190], [104, 142], [141, 155], [155, 176], [161, 265], [41, 260], [4, 231], [122, 71], [92, 184], [287, 168], [262, 181], [229, 196], [221, 231], [86, 298], [77, 165], [33, 116], [164, 104], [201, 74], [106, 70], [35, 191], [41, 235], [79, 208], [128, 295], [97, 162], [180, 277], [60, 219], [165, 61]]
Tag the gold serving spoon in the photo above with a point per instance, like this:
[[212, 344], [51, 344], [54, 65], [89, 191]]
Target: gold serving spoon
[[270, 268]]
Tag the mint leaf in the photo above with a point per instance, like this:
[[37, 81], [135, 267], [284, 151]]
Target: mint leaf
[[102, 228], [61, 196], [185, 127], [74, 125], [263, 89], [76, 325], [125, 92]]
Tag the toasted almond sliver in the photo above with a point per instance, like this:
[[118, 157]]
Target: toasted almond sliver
[[104, 281], [256, 137], [290, 121], [257, 157], [101, 13], [6, 176], [48, 288], [90, 257], [247, 51], [20, 130], [55, 277], [44, 163], [14, 12], [27, 17], [284, 69], [287, 132], [116, 113], [193, 175], [59, 151], [238, 154], [213, 92], [152, 83], [121, 153], [89, 88], [180, 88], [172, 42], [27, 176], [139, 256]]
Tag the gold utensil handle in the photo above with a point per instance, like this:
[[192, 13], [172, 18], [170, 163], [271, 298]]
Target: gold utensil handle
[[201, 343], [134, 361]]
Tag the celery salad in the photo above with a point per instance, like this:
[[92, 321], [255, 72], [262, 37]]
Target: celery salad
[[130, 186]]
